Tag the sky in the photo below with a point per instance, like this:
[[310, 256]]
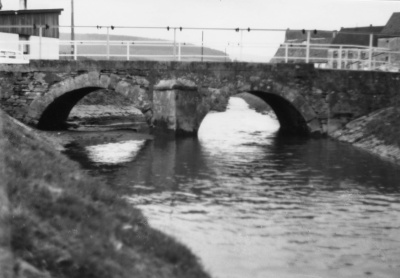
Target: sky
[[266, 14]]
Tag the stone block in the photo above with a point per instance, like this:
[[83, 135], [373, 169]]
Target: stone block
[[80, 81], [114, 80], [138, 80], [175, 84], [93, 78], [104, 81], [315, 126], [333, 125], [124, 88]]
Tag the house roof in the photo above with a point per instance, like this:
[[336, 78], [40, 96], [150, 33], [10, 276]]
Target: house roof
[[357, 35], [20, 12], [392, 27]]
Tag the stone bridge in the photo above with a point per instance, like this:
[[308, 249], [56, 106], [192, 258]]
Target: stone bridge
[[176, 96]]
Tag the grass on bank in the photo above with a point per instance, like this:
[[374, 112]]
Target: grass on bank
[[67, 224]]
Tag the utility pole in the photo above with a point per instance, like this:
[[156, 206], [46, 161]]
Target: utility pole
[[202, 45], [72, 27], [23, 4]]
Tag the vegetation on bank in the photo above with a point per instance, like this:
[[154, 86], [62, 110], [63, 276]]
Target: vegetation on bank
[[67, 224], [386, 127]]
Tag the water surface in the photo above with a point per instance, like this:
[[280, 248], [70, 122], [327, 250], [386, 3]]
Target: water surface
[[252, 204]]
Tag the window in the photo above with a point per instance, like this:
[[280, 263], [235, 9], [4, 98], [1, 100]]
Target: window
[[24, 44]]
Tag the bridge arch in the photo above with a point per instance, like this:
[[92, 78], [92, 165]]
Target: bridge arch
[[180, 105], [294, 114], [50, 111]]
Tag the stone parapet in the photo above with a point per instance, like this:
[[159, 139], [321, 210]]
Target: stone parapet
[[303, 98]]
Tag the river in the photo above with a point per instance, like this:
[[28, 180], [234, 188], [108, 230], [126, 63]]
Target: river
[[250, 203]]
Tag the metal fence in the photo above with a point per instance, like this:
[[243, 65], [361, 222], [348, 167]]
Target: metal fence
[[348, 57], [214, 44], [137, 50]]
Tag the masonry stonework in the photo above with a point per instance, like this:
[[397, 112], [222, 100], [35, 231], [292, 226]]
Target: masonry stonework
[[305, 100]]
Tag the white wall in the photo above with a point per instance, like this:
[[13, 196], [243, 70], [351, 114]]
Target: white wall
[[50, 48], [393, 44], [9, 41]]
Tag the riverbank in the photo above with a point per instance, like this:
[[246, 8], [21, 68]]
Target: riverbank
[[64, 223], [377, 133], [91, 116]]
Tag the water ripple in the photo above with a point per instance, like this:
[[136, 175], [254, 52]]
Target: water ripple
[[252, 204]]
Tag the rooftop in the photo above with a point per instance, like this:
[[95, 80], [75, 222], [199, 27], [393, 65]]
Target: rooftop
[[41, 11], [357, 35], [392, 27]]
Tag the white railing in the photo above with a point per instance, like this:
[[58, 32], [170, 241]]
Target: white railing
[[348, 57], [12, 57], [188, 44], [128, 50]]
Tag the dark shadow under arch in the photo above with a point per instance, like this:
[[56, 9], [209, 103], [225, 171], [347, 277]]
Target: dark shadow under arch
[[55, 115], [290, 119]]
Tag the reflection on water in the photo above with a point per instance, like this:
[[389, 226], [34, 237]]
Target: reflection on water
[[239, 129], [114, 153], [252, 204]]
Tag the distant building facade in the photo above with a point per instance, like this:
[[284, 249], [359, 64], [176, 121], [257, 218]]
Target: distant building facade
[[358, 53], [19, 31], [390, 39], [295, 47], [350, 47], [357, 48]]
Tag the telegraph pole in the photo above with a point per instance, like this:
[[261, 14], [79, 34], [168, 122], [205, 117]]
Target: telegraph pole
[[72, 27], [202, 45]]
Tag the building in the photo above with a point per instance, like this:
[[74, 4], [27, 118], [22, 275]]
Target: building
[[356, 48], [34, 32], [390, 39], [295, 47], [351, 47]]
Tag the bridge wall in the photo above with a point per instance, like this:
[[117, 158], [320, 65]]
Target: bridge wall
[[323, 100]]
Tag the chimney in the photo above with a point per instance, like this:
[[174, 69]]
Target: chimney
[[23, 5]]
